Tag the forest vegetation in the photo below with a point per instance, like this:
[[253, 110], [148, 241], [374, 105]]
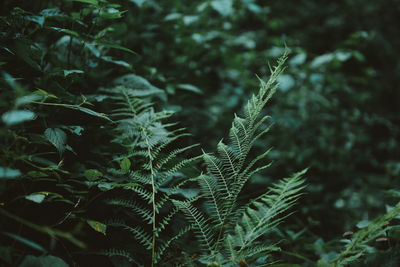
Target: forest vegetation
[[199, 133]]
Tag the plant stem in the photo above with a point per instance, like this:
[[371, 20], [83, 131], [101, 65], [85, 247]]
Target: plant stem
[[153, 199], [44, 229]]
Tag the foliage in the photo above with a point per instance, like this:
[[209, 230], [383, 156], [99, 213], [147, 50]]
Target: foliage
[[94, 169]]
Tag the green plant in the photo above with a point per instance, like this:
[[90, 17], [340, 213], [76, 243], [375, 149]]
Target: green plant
[[229, 235], [140, 130]]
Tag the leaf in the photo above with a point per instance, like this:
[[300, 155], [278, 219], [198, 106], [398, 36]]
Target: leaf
[[49, 260], [52, 12], [17, 116], [37, 19], [223, 7], [139, 3], [68, 72], [112, 13], [94, 113], [125, 164], [5, 254], [321, 60], [67, 31], [25, 241], [44, 93], [190, 87], [36, 197], [93, 2], [298, 59], [92, 174], [74, 129], [9, 173], [98, 226], [138, 86], [24, 49], [57, 138], [363, 224], [173, 16], [116, 46], [20, 101], [285, 82]]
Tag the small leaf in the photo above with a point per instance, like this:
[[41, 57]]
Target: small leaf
[[9, 173], [27, 99], [67, 31], [44, 93], [57, 137], [190, 87], [298, 59], [17, 116], [116, 46], [321, 60], [93, 2], [49, 260], [94, 113], [25, 241], [125, 164], [98, 226], [5, 254], [36, 197], [37, 19], [92, 174], [363, 224], [69, 72], [223, 7], [139, 3]]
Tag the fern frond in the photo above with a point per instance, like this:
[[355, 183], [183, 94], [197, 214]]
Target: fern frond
[[209, 188], [137, 176], [259, 249], [172, 155], [180, 165], [137, 232], [356, 247], [164, 245], [229, 160], [143, 193], [113, 252], [132, 205], [200, 225], [267, 209], [215, 169], [166, 220]]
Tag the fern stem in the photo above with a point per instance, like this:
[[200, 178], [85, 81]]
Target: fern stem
[[153, 200]]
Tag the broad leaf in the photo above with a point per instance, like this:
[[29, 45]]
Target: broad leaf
[[98, 226], [57, 137], [92, 174], [9, 173], [17, 116]]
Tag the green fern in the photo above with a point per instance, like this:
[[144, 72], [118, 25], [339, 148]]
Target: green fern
[[357, 246], [230, 231], [146, 139]]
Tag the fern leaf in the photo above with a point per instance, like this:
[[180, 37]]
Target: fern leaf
[[132, 205], [113, 252], [209, 188], [215, 169], [164, 245], [202, 230], [269, 206]]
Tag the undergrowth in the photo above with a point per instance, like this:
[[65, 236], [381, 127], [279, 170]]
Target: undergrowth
[[126, 187]]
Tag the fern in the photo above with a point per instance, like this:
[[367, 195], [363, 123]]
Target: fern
[[119, 253], [357, 246], [146, 139], [228, 236]]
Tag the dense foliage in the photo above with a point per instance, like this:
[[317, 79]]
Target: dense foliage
[[111, 110]]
